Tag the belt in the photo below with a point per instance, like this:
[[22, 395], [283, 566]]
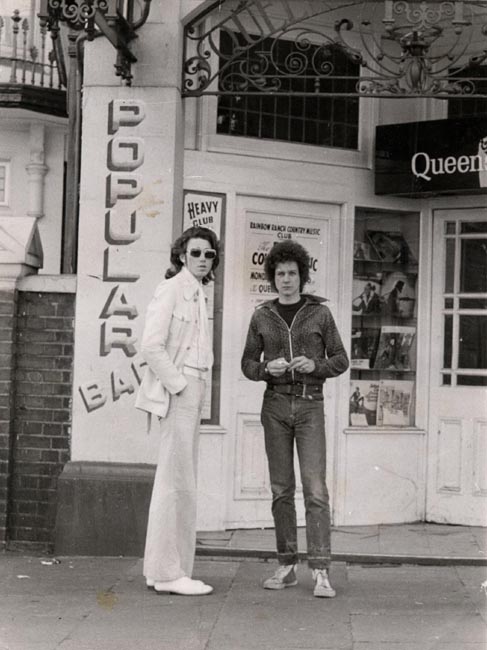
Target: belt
[[201, 373], [309, 391]]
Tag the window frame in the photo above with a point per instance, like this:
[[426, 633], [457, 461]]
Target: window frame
[[6, 198], [201, 122]]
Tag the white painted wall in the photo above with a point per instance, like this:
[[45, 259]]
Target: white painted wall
[[19, 148]]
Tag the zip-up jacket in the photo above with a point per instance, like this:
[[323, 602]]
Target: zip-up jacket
[[313, 334]]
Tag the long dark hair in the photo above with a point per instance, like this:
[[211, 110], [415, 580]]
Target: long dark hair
[[180, 245], [287, 251]]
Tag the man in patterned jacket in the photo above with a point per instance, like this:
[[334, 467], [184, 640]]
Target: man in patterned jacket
[[293, 345]]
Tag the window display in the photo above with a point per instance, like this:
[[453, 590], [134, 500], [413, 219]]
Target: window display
[[384, 310]]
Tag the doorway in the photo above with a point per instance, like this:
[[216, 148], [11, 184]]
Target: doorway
[[457, 449], [261, 222]]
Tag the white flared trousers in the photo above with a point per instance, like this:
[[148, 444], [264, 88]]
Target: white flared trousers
[[171, 530]]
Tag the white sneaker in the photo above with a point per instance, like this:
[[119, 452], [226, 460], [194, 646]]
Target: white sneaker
[[184, 587], [285, 576], [323, 588]]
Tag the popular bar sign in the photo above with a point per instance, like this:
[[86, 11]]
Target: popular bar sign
[[433, 157]]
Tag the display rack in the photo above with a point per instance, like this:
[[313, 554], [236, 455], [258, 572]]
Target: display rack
[[384, 320]]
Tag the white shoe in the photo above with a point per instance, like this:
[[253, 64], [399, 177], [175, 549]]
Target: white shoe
[[285, 576], [323, 588], [184, 587]]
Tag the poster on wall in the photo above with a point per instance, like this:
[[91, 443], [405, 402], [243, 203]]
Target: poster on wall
[[262, 231], [207, 210]]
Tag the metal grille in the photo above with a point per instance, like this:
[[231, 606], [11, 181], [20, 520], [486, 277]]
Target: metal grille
[[469, 107], [326, 121]]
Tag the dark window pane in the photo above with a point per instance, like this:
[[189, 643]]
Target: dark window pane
[[473, 303], [268, 104], [471, 380], [296, 127], [339, 133], [297, 106], [311, 130], [450, 266], [473, 227], [267, 127], [474, 106], [311, 108], [270, 57], [324, 133], [282, 105], [447, 345], [448, 303], [473, 273], [472, 346], [325, 110], [351, 137], [450, 227], [446, 380], [282, 128]]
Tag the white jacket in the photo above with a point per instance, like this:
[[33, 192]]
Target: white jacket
[[166, 340]]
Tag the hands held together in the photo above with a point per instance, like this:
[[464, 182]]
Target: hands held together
[[277, 367]]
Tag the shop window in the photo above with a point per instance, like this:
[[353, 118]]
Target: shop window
[[324, 121], [384, 320], [465, 301]]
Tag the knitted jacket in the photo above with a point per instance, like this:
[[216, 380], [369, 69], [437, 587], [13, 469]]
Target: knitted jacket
[[313, 333]]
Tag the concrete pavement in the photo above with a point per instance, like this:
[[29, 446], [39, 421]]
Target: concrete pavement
[[103, 604]]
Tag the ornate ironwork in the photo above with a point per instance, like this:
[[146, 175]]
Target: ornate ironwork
[[98, 17], [28, 64], [404, 48]]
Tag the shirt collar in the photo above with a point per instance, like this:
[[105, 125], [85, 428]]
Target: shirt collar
[[191, 284]]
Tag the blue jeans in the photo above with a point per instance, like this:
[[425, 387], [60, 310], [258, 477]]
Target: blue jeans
[[286, 418]]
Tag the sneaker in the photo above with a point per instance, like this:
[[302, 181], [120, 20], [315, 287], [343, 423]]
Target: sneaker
[[323, 588], [285, 576]]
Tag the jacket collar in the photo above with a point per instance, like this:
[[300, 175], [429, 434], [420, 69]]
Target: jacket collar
[[310, 299]]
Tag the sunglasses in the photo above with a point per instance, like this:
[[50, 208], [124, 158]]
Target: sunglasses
[[209, 253]]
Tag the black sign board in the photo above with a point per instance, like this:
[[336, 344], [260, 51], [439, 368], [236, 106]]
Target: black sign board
[[433, 157]]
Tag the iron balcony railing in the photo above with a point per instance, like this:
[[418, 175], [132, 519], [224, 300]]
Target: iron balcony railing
[[28, 56]]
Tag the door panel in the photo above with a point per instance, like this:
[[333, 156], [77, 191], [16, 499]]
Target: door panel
[[260, 223], [457, 454]]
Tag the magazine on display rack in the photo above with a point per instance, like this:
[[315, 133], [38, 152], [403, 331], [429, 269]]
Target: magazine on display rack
[[364, 347], [366, 294], [363, 251], [394, 350], [398, 295], [394, 403], [363, 402], [390, 246]]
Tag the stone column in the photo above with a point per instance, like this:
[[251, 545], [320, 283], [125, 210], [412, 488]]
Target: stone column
[[36, 171], [131, 195]]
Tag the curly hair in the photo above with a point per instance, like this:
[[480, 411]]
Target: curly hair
[[180, 245], [287, 251]]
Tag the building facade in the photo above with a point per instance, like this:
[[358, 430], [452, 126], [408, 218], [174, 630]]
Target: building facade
[[404, 274]]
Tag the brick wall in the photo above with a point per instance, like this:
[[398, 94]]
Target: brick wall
[[7, 334], [42, 414]]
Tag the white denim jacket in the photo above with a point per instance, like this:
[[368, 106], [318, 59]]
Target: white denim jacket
[[166, 340]]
